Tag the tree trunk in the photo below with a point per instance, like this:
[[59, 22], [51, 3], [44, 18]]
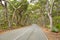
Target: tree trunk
[[50, 9], [6, 15], [50, 19]]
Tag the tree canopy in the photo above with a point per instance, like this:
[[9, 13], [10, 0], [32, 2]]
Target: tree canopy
[[25, 12]]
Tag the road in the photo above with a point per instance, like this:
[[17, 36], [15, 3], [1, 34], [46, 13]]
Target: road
[[33, 32]]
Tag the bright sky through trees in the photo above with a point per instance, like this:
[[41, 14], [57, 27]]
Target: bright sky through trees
[[32, 1]]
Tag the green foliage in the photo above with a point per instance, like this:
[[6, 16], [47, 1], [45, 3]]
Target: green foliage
[[54, 29], [25, 14], [48, 26], [1, 7], [20, 6], [57, 21], [58, 26]]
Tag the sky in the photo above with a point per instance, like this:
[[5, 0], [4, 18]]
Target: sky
[[34, 1]]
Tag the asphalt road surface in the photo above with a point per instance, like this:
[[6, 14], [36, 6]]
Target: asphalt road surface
[[33, 32]]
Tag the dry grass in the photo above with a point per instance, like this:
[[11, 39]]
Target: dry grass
[[51, 35]]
